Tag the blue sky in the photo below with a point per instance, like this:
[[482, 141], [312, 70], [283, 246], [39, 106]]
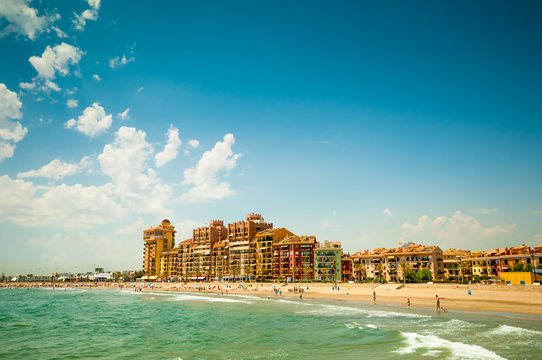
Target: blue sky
[[368, 123]]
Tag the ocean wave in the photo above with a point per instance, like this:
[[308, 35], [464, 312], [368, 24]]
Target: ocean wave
[[513, 330], [434, 346], [334, 310], [187, 297], [360, 326]]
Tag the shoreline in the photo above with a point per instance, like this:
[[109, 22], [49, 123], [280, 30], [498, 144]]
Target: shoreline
[[524, 300]]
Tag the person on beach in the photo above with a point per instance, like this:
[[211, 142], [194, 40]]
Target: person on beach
[[408, 303], [438, 302], [374, 297]]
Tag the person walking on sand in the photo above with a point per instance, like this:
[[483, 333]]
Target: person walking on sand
[[374, 297], [408, 302], [438, 302]]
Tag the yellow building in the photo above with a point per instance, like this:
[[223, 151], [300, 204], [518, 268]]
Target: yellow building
[[452, 260], [157, 240], [169, 263], [517, 278], [264, 251], [186, 254]]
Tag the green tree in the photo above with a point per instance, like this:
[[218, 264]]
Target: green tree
[[379, 267], [404, 269]]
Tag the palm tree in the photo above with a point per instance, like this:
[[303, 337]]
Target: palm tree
[[379, 267], [307, 273], [234, 271], [404, 268], [360, 270], [463, 265]]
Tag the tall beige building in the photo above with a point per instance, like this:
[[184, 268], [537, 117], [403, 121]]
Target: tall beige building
[[242, 245], [205, 239], [157, 240]]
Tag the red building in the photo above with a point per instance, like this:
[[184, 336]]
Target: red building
[[293, 257]]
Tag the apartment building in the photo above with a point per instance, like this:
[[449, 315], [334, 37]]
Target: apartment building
[[242, 245], [204, 238], [385, 264], [293, 257], [264, 251], [157, 240], [327, 261]]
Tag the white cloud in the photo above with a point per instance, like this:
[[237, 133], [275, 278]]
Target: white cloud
[[53, 61], [57, 169], [536, 212], [89, 14], [120, 61], [194, 144], [71, 103], [125, 162], [11, 132], [388, 212], [62, 206], [59, 33], [132, 229], [484, 211], [459, 230], [92, 122], [23, 19], [97, 77], [203, 177], [139, 89], [171, 149], [124, 116]]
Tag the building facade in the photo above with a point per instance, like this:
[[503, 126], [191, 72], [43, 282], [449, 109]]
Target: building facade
[[204, 238], [327, 261], [157, 240], [242, 245], [293, 258], [264, 251]]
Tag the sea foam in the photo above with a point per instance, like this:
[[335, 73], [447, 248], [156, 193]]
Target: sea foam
[[334, 310], [187, 297], [513, 330], [434, 346]]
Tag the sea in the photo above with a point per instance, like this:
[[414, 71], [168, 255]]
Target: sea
[[123, 324]]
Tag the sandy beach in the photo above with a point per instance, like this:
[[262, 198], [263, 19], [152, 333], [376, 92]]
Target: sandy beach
[[483, 298]]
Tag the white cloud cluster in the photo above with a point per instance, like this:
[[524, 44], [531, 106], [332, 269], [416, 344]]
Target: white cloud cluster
[[193, 143], [25, 20], [92, 122], [388, 212], [71, 103], [97, 77], [204, 176], [89, 14], [120, 61], [11, 132], [124, 161], [57, 169], [124, 116], [53, 61], [74, 206], [458, 230], [171, 149]]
